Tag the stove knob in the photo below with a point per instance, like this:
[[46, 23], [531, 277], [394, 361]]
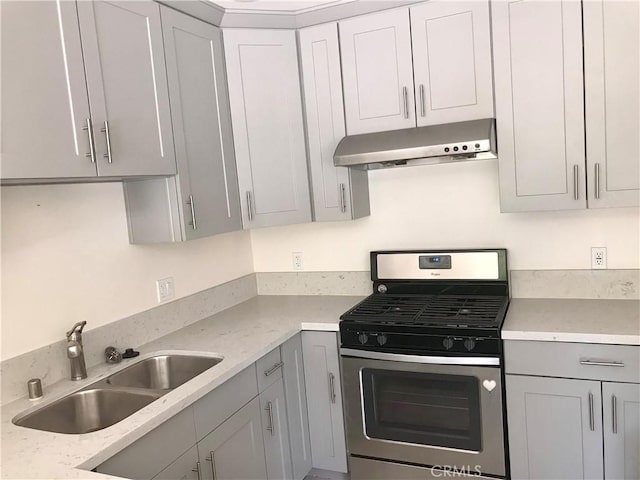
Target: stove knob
[[382, 339], [448, 343], [469, 344], [362, 338]]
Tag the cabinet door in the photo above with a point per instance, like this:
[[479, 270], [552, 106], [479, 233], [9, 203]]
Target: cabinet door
[[127, 83], [275, 432], [297, 412], [186, 467], [555, 428], [537, 51], [235, 450], [377, 72], [452, 61], [266, 112], [612, 102], [324, 400], [44, 95], [621, 425], [335, 197], [205, 158]]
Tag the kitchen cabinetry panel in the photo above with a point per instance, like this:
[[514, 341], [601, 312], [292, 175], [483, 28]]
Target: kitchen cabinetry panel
[[452, 61], [336, 194], [377, 72], [537, 48], [324, 399], [266, 109], [621, 426], [127, 85], [275, 432], [44, 96], [612, 102], [184, 468], [555, 428]]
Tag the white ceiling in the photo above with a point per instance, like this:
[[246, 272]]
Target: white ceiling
[[277, 6]]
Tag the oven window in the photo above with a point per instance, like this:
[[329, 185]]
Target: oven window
[[423, 408]]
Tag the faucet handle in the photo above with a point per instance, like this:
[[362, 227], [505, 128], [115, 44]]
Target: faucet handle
[[77, 328]]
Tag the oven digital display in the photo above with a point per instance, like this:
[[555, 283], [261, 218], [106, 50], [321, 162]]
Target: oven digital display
[[428, 262]]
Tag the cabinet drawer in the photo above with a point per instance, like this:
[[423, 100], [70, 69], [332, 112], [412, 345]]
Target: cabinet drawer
[[218, 405], [269, 369], [620, 363]]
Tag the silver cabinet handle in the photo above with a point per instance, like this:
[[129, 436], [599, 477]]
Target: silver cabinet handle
[[270, 427], [92, 148], [213, 465], [332, 387], [405, 99], [343, 198], [423, 107], [193, 212], [575, 182], [597, 179], [197, 470], [592, 419], [105, 130], [614, 412], [601, 364], [249, 206], [273, 369]]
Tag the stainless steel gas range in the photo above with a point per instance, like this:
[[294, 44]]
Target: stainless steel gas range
[[422, 367]]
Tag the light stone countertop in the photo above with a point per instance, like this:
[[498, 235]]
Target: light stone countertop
[[241, 334], [573, 320]]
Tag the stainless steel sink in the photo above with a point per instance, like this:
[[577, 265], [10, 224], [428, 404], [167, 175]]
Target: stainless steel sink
[[87, 410], [163, 371]]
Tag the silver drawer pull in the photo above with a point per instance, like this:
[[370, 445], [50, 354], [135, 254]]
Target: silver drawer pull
[[614, 410], [92, 148], [405, 101], [249, 206], [332, 387], [597, 176], [270, 427], [273, 369], [197, 470], [213, 465], [105, 130], [193, 212], [592, 417], [576, 195], [598, 363], [423, 109], [343, 199]]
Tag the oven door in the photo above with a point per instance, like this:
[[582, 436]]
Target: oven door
[[436, 411]]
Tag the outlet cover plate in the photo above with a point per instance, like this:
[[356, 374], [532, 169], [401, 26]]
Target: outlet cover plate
[[165, 289], [598, 258], [297, 259]]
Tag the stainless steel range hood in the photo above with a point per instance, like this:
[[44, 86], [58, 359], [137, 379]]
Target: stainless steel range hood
[[451, 142]]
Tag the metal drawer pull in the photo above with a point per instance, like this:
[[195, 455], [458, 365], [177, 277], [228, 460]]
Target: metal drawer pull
[[249, 206], [213, 465], [343, 198], [105, 130], [270, 427], [405, 98], [575, 182], [332, 387], [273, 369], [423, 108], [614, 410], [92, 149], [601, 364], [597, 177], [592, 419], [197, 470], [193, 212]]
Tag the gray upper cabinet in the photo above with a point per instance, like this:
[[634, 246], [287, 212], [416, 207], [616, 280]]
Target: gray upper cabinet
[[203, 199], [537, 51], [612, 96], [268, 133], [44, 96], [452, 61], [338, 193], [621, 425], [555, 428], [127, 84]]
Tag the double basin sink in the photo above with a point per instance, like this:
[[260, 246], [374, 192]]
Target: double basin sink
[[117, 396]]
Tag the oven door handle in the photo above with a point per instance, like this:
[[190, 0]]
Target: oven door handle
[[430, 359]]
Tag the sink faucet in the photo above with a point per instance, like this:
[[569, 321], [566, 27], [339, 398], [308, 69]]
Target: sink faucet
[[75, 352]]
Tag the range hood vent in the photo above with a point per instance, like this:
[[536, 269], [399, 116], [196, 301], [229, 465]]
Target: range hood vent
[[451, 142]]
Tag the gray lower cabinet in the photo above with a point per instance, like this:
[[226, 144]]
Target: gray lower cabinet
[[186, 467], [235, 450], [555, 428], [297, 411], [324, 400], [202, 200], [275, 432], [621, 425]]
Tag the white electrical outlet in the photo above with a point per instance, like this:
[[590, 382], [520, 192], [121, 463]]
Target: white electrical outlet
[[598, 258], [297, 261], [165, 289]]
